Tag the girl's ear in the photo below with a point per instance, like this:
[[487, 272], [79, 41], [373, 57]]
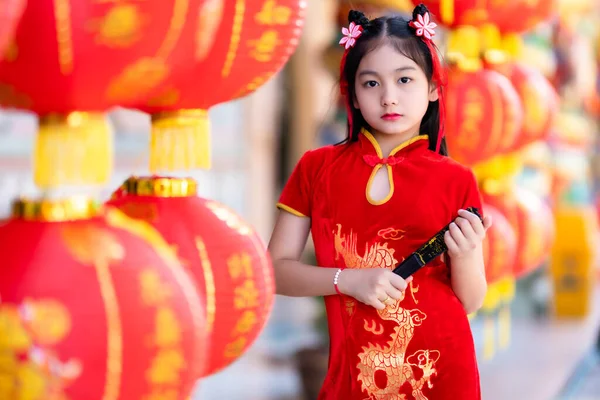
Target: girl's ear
[[434, 93]]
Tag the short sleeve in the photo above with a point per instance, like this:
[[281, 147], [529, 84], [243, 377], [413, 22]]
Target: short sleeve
[[296, 195], [471, 195]]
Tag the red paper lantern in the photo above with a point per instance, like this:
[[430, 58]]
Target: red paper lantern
[[91, 55], [483, 114], [224, 254], [455, 13], [517, 16], [10, 14], [533, 224], [539, 99], [536, 221], [239, 46], [372, 8], [510, 16], [499, 247], [94, 306]]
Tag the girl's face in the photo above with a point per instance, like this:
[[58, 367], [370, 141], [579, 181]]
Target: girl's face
[[392, 92]]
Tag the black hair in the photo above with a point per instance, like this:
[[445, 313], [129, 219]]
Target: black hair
[[393, 29]]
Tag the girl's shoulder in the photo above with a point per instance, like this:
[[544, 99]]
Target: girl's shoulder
[[449, 171], [322, 156], [447, 164]]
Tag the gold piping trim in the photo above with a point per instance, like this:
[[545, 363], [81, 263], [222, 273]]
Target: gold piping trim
[[396, 149], [290, 210], [370, 182], [408, 143], [236, 34], [377, 167]]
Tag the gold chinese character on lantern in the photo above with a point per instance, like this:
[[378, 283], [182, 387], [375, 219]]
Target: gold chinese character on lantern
[[167, 328], [166, 367], [154, 292], [473, 115], [264, 47], [245, 323], [163, 394], [240, 266], [235, 348], [120, 27], [272, 14], [245, 295]]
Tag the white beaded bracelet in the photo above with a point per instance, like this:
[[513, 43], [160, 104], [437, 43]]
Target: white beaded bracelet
[[336, 279]]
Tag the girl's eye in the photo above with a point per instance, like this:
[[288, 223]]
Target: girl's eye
[[404, 80], [371, 84]]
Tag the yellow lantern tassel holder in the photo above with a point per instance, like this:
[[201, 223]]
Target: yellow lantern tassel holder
[[180, 141], [73, 149]]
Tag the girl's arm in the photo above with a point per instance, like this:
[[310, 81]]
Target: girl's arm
[[293, 278], [465, 249]]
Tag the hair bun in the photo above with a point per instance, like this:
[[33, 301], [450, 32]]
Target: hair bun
[[358, 18], [421, 9]]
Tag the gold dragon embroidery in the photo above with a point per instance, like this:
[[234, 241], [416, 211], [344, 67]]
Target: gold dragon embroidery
[[390, 360]]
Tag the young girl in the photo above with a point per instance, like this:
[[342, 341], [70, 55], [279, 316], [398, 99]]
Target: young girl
[[369, 203]]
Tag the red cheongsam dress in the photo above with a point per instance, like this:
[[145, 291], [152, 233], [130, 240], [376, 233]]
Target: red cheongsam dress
[[420, 347]]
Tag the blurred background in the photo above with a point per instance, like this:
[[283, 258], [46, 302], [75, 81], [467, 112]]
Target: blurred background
[[523, 111]]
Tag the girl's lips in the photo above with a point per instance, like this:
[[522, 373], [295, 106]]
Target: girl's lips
[[391, 117]]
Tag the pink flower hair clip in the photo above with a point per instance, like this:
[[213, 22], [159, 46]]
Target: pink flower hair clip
[[351, 33], [425, 28]]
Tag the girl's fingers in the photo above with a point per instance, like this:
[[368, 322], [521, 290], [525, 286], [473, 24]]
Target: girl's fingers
[[450, 243]]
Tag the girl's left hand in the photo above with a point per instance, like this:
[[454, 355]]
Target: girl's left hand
[[466, 234]]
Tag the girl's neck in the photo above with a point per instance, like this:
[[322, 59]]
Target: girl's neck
[[389, 141]]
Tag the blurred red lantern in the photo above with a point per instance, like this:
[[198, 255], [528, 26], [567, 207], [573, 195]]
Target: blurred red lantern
[[455, 13], [533, 224], [517, 16], [536, 222], [539, 99], [10, 14], [509, 16], [87, 56], [238, 47], [372, 8], [225, 256], [94, 306], [483, 114], [499, 247]]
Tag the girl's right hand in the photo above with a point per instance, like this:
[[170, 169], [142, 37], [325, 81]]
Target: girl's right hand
[[374, 287]]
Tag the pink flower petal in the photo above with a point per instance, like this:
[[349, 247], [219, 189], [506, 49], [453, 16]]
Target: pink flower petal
[[351, 27], [420, 19], [350, 43], [345, 31], [344, 40], [420, 32], [426, 19]]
